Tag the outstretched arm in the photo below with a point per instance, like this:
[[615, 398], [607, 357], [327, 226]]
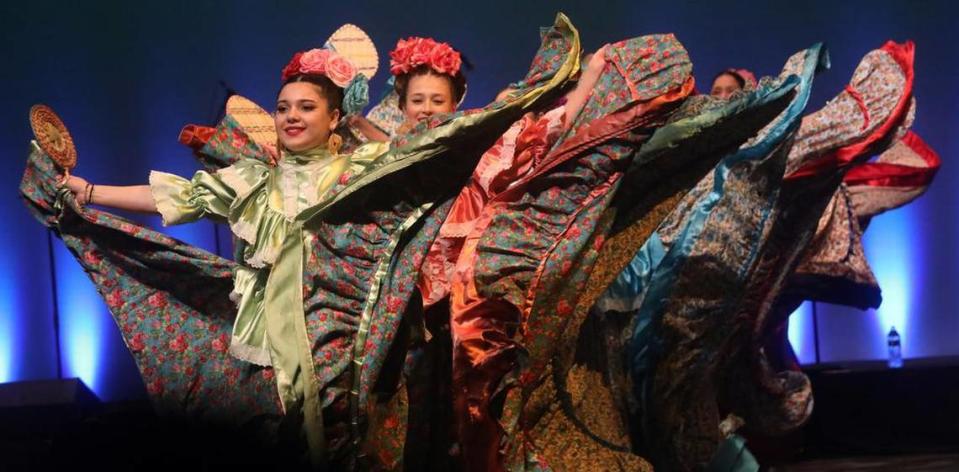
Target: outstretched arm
[[132, 198], [577, 97], [364, 126]]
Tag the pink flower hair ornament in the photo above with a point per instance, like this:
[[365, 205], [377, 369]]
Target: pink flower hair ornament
[[413, 52], [321, 61]]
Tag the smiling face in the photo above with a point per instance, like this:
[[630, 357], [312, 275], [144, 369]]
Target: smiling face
[[724, 86], [428, 94], [304, 118]]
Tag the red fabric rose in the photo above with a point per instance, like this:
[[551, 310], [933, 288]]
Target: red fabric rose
[[292, 68], [421, 51], [445, 60], [400, 57], [413, 52]]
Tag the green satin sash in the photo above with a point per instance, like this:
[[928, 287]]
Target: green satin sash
[[284, 322]]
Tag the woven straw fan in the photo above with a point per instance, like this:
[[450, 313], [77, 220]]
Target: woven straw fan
[[354, 44], [53, 137], [255, 121]]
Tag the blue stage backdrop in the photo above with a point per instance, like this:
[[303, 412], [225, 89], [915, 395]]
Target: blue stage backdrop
[[126, 76]]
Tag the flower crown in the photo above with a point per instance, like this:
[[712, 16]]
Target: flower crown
[[340, 71], [413, 52], [324, 62]]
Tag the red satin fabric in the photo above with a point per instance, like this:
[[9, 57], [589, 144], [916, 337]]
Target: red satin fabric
[[196, 136], [506, 162], [483, 330], [904, 55], [883, 174]]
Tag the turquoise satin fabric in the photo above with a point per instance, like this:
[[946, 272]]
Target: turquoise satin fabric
[[645, 285]]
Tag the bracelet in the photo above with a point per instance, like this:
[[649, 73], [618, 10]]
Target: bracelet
[[83, 198], [90, 197]]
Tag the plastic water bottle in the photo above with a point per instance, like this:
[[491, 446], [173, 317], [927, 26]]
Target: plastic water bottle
[[895, 349]]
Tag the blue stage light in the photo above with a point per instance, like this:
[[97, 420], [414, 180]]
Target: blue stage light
[[83, 317], [890, 249], [801, 335], [10, 335]]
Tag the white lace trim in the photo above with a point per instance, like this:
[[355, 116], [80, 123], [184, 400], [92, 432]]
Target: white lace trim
[[263, 256], [254, 355], [232, 178], [244, 231]]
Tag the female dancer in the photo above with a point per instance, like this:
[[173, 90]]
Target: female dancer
[[319, 256], [427, 80], [730, 81]]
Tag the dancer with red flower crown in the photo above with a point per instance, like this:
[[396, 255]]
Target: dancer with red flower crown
[[427, 80]]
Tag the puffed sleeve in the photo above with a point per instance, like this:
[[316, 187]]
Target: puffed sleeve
[[182, 201]]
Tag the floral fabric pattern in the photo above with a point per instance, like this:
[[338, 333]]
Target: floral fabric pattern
[[363, 245]]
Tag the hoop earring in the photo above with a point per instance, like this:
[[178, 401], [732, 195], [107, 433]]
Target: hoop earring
[[334, 143]]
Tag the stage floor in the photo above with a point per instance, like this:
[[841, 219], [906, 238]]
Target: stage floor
[[911, 463]]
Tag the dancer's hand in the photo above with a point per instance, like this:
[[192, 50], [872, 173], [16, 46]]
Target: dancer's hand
[[78, 186], [576, 98], [366, 128], [597, 61]]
